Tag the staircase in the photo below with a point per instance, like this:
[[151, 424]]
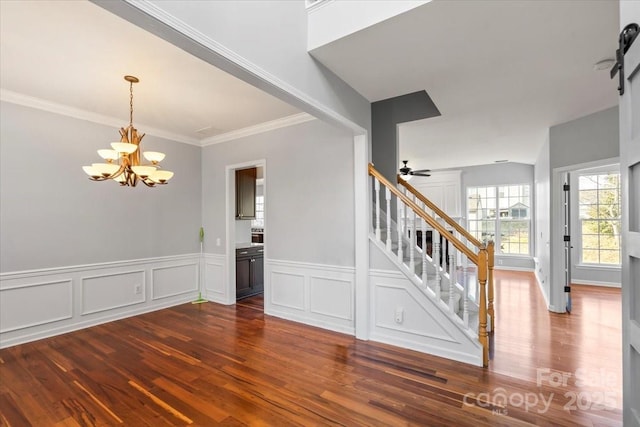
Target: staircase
[[439, 257]]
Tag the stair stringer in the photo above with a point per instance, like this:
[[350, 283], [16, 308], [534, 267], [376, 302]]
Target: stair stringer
[[427, 323]]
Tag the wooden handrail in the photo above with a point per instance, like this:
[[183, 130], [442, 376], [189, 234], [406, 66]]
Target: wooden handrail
[[422, 214], [463, 232], [442, 214], [483, 259]]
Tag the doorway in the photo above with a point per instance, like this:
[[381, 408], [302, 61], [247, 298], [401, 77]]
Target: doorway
[[245, 258]]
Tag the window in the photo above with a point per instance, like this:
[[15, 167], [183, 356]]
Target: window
[[501, 214], [259, 221], [599, 210]]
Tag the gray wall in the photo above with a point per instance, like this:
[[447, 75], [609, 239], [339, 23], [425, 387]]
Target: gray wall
[[385, 116], [589, 138], [51, 214], [271, 35], [309, 201], [500, 174]]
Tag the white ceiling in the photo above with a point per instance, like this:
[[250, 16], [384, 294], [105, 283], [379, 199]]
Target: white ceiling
[[500, 72], [75, 53]]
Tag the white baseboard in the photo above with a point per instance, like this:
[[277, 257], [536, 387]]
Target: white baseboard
[[596, 283], [507, 268], [41, 303]]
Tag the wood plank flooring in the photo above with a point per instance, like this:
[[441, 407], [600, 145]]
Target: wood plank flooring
[[207, 365]]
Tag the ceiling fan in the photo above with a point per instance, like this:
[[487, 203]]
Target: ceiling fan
[[406, 172]]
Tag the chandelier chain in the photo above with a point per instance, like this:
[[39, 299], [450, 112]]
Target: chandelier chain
[[131, 104]]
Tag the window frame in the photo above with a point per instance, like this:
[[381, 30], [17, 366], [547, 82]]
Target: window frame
[[579, 220], [498, 220]]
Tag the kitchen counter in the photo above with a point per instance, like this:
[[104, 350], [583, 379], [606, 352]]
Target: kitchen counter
[[244, 245]]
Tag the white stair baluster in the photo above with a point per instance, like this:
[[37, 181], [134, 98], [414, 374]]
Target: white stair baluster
[[404, 219], [400, 205], [435, 243], [465, 302], [388, 197], [424, 251], [377, 189], [452, 277], [412, 244]]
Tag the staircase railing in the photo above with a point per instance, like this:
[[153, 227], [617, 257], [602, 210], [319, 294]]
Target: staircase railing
[[463, 235], [476, 255]]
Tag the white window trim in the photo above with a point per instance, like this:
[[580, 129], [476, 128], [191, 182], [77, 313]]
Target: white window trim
[[575, 204], [497, 219]]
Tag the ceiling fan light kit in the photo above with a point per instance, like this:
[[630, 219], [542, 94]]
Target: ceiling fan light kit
[[123, 159], [406, 173]]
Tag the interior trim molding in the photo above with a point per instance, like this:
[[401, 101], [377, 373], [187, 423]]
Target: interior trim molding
[[77, 113], [257, 129], [95, 266], [310, 265]]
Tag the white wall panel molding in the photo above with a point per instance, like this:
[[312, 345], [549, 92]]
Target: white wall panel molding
[[315, 294], [111, 291], [172, 280], [422, 325], [214, 285], [42, 303], [88, 267], [48, 302]]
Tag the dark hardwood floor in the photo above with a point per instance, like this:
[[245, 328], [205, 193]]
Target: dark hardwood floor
[[207, 364]]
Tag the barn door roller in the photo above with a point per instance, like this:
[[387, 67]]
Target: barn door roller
[[627, 36]]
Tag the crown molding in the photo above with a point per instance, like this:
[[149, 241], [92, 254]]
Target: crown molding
[[259, 128], [313, 5], [77, 113]]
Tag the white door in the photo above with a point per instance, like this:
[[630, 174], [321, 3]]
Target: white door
[[630, 172]]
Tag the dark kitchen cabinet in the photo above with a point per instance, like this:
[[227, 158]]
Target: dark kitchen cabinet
[[246, 193], [249, 271]]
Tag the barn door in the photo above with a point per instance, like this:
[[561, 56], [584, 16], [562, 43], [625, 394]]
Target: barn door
[[629, 74]]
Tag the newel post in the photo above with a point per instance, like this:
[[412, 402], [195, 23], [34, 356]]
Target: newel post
[[490, 310], [483, 336]]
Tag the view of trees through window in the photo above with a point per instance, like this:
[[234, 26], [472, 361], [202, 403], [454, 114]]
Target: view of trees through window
[[599, 205], [501, 214]]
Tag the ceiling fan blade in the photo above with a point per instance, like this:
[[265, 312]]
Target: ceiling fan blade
[[416, 173], [422, 170]]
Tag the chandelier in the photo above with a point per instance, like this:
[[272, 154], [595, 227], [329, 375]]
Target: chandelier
[[123, 159]]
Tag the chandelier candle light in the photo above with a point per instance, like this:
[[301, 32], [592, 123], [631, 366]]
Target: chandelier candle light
[[123, 159]]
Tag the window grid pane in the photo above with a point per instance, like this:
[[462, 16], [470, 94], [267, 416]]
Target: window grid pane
[[599, 213], [503, 208]]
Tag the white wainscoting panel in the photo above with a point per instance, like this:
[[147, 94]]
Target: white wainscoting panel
[[287, 290], [36, 304], [172, 280], [109, 291], [331, 297], [424, 326], [215, 286], [314, 294]]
